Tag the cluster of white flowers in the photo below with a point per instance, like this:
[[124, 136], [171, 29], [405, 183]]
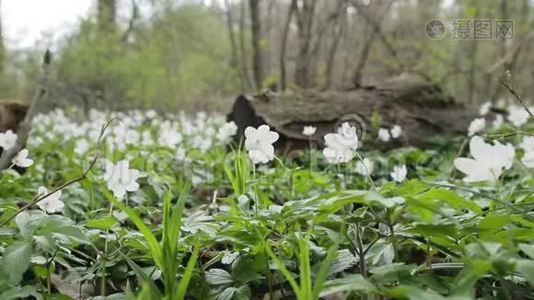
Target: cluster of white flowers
[[341, 147], [145, 129], [385, 135]]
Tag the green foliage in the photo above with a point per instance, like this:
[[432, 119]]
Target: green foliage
[[179, 58]]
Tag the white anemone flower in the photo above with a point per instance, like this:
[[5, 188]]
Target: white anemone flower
[[8, 139], [120, 178], [396, 131], [528, 146], [341, 146], [50, 204], [309, 130], [384, 135], [399, 173], [518, 115], [488, 160], [528, 159], [497, 122], [476, 125], [21, 159], [484, 108], [225, 132], [259, 143], [365, 167], [81, 147]]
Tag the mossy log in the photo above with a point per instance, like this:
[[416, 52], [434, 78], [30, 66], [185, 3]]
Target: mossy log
[[420, 107]]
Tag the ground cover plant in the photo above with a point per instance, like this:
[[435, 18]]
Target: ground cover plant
[[140, 205]]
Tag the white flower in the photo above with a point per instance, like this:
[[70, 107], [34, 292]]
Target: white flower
[[151, 114], [396, 131], [484, 108], [181, 155], [259, 143], [488, 160], [50, 204], [528, 146], [8, 139], [309, 130], [365, 168], [518, 115], [476, 125], [169, 137], [120, 178], [383, 135], [341, 146], [528, 159], [497, 123], [226, 131], [81, 146], [399, 173], [21, 159]]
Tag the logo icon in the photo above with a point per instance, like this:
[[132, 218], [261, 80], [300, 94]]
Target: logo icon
[[435, 29]]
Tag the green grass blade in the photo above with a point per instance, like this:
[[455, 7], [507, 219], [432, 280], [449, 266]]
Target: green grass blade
[[153, 244], [305, 269], [323, 271], [188, 273], [148, 283], [284, 270]]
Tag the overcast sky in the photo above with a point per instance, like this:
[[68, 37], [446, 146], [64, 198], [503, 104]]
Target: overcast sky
[[26, 21]]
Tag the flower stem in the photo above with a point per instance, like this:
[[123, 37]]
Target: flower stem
[[367, 173]]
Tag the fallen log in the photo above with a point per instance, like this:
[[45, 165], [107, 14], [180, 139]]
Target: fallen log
[[421, 108], [11, 114]]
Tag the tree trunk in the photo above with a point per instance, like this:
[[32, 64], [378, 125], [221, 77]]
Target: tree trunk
[[305, 17], [338, 32], [234, 60], [257, 55], [2, 46], [283, 47], [106, 14], [243, 47], [364, 55]]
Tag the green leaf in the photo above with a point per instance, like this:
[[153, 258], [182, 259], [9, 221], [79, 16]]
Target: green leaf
[[466, 279], [103, 223], [526, 267], [528, 249], [16, 261], [21, 293], [494, 222], [347, 284], [218, 277], [451, 198]]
